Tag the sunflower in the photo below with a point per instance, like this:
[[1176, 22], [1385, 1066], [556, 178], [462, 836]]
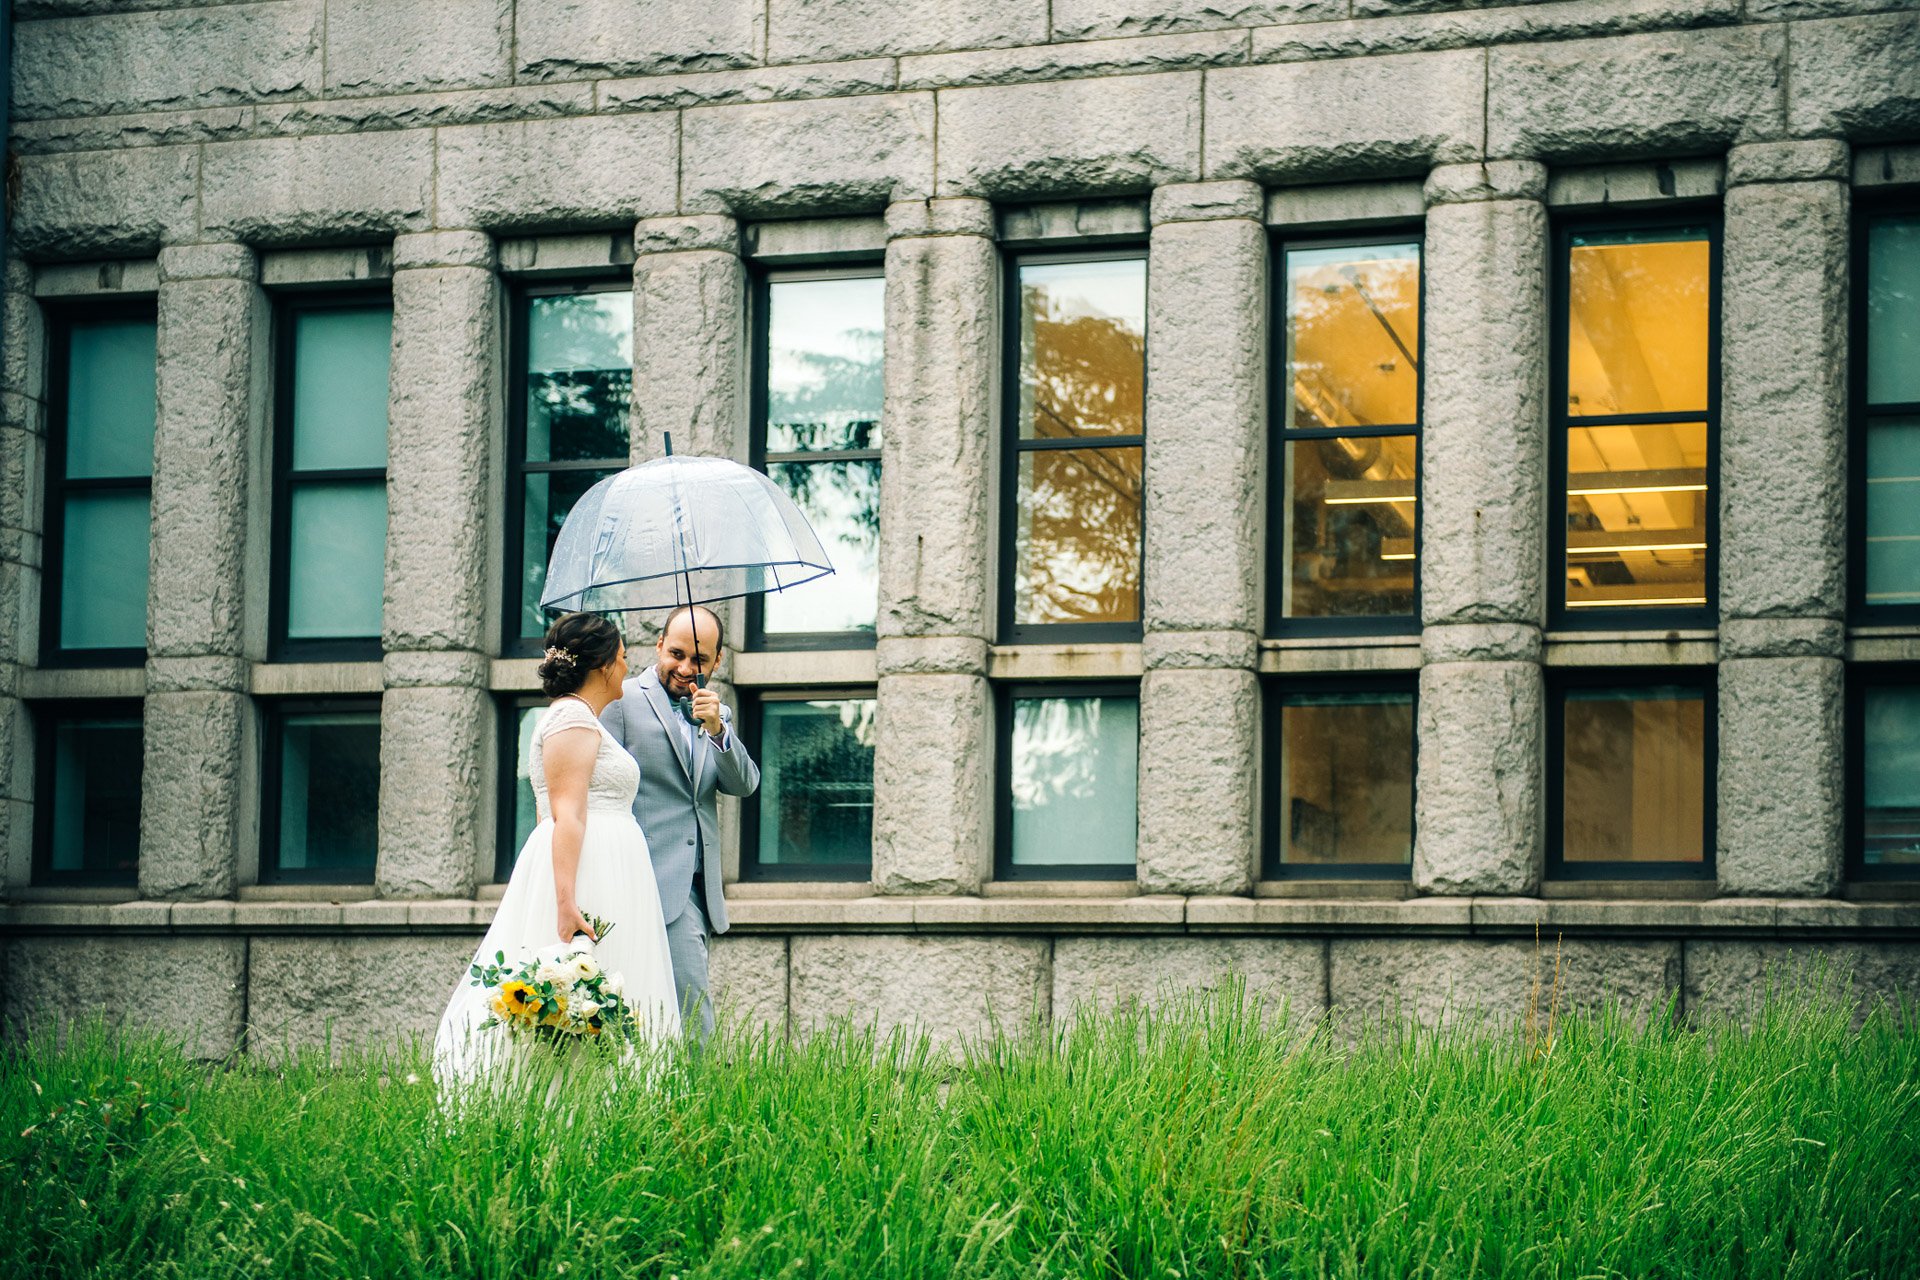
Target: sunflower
[[518, 998]]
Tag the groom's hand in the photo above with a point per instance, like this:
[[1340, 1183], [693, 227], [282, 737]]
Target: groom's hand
[[706, 709]]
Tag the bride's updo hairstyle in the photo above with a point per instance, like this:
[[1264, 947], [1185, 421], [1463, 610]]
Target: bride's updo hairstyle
[[578, 644]]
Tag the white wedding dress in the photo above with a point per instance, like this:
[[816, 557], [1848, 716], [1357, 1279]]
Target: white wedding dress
[[614, 882]]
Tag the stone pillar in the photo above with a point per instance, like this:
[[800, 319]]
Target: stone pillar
[[1205, 497], [1783, 525], [933, 756], [22, 463], [1483, 576], [211, 344], [435, 717]]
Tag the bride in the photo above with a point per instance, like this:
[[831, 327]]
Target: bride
[[586, 854]]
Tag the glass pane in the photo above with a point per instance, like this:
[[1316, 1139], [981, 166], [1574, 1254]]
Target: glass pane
[[824, 346], [548, 497], [1634, 775], [1893, 511], [1083, 349], [1075, 772], [103, 571], [1349, 535], [1353, 336], [336, 560], [1637, 516], [1637, 321], [842, 502], [340, 359], [1893, 309], [1346, 779], [96, 798], [579, 376], [329, 791], [525, 819], [1077, 536], [110, 398], [1892, 765], [816, 783]]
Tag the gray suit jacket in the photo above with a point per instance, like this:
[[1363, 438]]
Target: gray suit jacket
[[675, 805]]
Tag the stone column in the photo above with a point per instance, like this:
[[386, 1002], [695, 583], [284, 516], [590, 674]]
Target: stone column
[[22, 464], [1483, 576], [1783, 454], [434, 716], [933, 756], [211, 342], [1205, 497]]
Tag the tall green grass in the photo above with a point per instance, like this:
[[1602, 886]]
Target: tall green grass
[[1199, 1141]]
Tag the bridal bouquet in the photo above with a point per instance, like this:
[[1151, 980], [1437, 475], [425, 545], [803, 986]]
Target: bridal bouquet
[[560, 994]]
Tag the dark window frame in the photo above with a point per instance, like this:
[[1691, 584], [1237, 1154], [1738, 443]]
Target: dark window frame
[[1560, 617], [761, 310], [1559, 680], [1280, 434], [273, 714], [1004, 868], [47, 717], [506, 849], [1012, 447], [1868, 205], [1860, 678], [1273, 695], [280, 646], [752, 870], [60, 320]]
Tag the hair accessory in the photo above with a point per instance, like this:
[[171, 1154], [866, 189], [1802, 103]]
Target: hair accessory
[[561, 656]]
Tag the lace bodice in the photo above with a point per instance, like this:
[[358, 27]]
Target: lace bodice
[[616, 776]]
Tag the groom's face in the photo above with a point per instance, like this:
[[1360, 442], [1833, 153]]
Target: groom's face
[[680, 661]]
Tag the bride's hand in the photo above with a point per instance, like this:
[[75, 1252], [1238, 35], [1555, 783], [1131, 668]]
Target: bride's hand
[[572, 922]]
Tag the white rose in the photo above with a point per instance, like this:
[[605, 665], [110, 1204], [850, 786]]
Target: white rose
[[583, 1009], [617, 984], [585, 967]]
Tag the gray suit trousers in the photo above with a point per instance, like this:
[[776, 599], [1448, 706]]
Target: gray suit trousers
[[687, 944]]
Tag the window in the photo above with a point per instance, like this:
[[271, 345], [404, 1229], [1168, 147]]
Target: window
[[573, 366], [812, 817], [1629, 775], [321, 802], [1346, 467], [1884, 777], [1886, 398], [1340, 803], [1635, 412], [817, 395], [330, 495], [1076, 423], [88, 794], [1069, 781], [518, 716], [99, 487]]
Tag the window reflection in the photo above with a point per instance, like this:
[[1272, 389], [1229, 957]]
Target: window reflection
[[1633, 775], [93, 819], [1892, 410], [1074, 778], [1346, 779], [1891, 762], [1350, 527], [816, 785], [1353, 334], [1077, 556], [1637, 515], [1637, 321], [329, 794]]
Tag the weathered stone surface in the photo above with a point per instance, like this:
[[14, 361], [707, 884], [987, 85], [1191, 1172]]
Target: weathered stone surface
[[1207, 421], [696, 231], [689, 342], [1199, 650], [959, 216], [1371, 117], [1782, 638], [1477, 808], [1437, 983], [556, 173], [847, 155], [1070, 137], [1780, 796], [1781, 10], [748, 84], [432, 742], [1074, 61], [1483, 450], [807, 30], [1085, 19], [1346, 204], [218, 672], [1420, 25], [1493, 180], [1197, 772], [1098, 975], [22, 470], [143, 129], [190, 802], [422, 110], [1856, 77], [1648, 184], [942, 305], [1206, 201], [1480, 642], [303, 190], [139, 61], [377, 46], [1821, 159], [931, 655], [53, 981], [1727, 979], [16, 837], [309, 993], [567, 39], [23, 334], [408, 669], [1783, 425], [932, 825], [1661, 93], [104, 203], [1110, 220], [948, 988], [748, 978]]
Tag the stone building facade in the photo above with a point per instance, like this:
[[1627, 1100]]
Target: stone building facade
[[1683, 744]]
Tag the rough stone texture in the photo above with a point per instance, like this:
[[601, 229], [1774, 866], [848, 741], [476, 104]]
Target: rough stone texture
[[932, 784], [812, 30], [1074, 61], [1493, 180], [931, 655], [563, 174], [1665, 93], [308, 190], [689, 342], [1783, 425], [1423, 26], [1728, 979], [1098, 975], [696, 231], [1083, 19], [845, 155], [566, 39], [748, 84], [405, 669], [1483, 447], [1373, 117], [942, 309], [948, 988], [1197, 780], [1199, 649], [1206, 201], [191, 807], [1780, 796], [422, 110], [1477, 808], [1856, 77], [377, 46], [1071, 137], [56, 980], [1436, 983], [306, 993], [1480, 642], [1109, 220], [432, 743], [104, 203], [23, 333], [1782, 638], [1650, 184], [1822, 159], [748, 977]]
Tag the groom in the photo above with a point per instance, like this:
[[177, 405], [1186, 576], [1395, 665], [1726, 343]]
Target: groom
[[686, 753]]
